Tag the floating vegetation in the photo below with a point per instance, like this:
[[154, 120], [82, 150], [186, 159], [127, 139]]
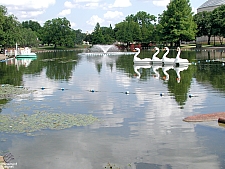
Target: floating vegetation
[[68, 61], [8, 91], [43, 120]]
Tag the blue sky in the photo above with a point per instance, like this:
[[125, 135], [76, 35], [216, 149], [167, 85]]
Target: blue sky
[[84, 14]]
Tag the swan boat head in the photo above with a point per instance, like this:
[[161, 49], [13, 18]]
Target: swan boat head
[[136, 54], [165, 59], [179, 61], [155, 59], [139, 60], [166, 53]]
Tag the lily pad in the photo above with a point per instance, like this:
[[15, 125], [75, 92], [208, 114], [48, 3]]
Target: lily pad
[[8, 91], [43, 120]]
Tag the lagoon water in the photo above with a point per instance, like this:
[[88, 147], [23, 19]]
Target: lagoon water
[[140, 130]]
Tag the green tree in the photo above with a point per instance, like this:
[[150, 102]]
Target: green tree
[[204, 24], [58, 32], [218, 22], [9, 28], [29, 38], [97, 36], [128, 32], [12, 31], [33, 25], [177, 22], [3, 12], [79, 36], [146, 23], [109, 35]]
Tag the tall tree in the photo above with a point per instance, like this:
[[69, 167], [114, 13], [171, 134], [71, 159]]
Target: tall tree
[[58, 32], [146, 23], [3, 12], [177, 22], [12, 31], [204, 24], [29, 38], [218, 22], [33, 25], [109, 34], [79, 36], [128, 32], [97, 36]]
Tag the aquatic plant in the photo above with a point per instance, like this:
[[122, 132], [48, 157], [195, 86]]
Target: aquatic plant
[[43, 120], [9, 91]]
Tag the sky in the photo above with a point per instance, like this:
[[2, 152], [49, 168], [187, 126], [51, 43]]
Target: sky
[[84, 14]]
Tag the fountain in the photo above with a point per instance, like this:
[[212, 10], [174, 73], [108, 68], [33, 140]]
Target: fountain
[[105, 50]]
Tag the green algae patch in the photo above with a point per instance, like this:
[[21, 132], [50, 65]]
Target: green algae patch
[[8, 91], [43, 120]]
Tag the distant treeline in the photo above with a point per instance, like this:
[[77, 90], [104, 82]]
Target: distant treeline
[[175, 25]]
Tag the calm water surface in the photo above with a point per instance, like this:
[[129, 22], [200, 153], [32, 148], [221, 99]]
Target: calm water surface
[[140, 130]]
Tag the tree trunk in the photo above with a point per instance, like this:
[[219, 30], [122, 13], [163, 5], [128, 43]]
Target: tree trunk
[[209, 37], [221, 40]]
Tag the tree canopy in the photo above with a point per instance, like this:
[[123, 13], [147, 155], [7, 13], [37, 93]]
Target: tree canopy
[[204, 24], [177, 22]]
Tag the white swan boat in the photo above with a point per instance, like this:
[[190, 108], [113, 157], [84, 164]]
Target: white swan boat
[[155, 59], [179, 61], [139, 60], [165, 59]]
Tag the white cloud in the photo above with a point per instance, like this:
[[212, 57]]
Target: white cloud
[[113, 15], [32, 4], [119, 3], [86, 4], [87, 1], [27, 8], [73, 25], [65, 12], [68, 4], [91, 5], [94, 20], [163, 3]]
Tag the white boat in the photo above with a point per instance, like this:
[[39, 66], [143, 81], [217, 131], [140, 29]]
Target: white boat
[[138, 60], [179, 61], [155, 59], [24, 53], [166, 60]]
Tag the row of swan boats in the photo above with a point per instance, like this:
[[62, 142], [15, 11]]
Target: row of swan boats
[[155, 69], [164, 61]]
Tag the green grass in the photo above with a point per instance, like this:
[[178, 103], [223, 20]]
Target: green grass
[[58, 48]]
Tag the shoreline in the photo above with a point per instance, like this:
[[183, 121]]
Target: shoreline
[[220, 49]]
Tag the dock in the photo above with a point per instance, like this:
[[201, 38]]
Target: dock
[[3, 57]]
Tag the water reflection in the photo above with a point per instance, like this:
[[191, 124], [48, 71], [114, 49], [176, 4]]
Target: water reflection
[[138, 69], [138, 130]]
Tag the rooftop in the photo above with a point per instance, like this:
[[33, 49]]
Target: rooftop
[[212, 3]]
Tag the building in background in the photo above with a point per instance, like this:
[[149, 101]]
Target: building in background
[[209, 5]]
